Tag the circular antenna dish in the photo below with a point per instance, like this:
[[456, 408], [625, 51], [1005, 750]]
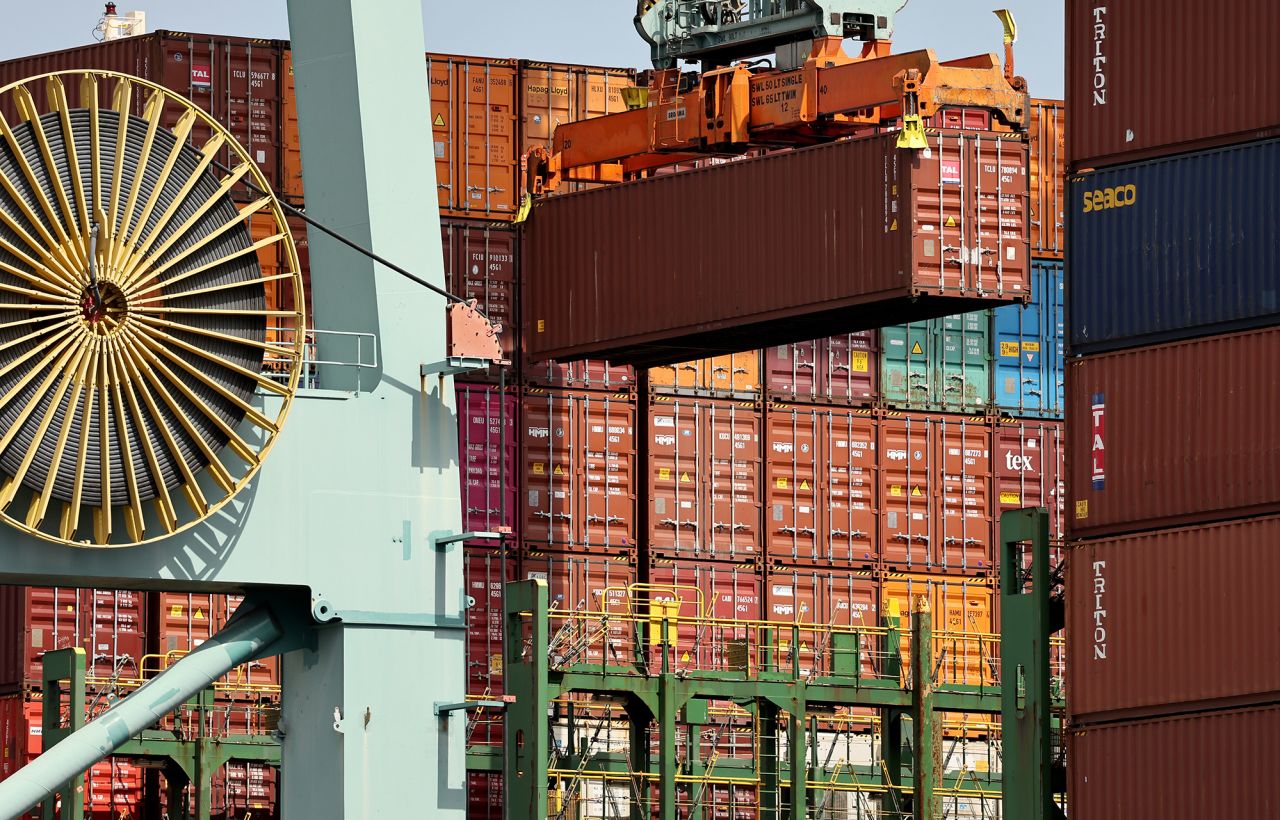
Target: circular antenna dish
[[147, 357]]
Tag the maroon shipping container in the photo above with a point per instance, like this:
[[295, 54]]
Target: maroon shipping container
[[579, 469], [237, 80], [1172, 621], [1210, 764], [704, 474], [822, 598], [487, 424], [841, 238], [1175, 434], [481, 263], [486, 573], [1030, 470], [1143, 83], [588, 595], [588, 374], [484, 796], [700, 589], [841, 369], [822, 487]]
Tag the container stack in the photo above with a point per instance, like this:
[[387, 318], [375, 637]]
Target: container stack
[[1174, 263]]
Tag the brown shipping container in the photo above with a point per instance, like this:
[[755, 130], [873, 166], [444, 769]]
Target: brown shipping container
[[841, 369], [1047, 137], [733, 375], [704, 479], [1211, 764], [852, 235], [1172, 621], [1030, 472], [587, 374], [480, 262], [187, 620], [579, 469], [698, 589], [584, 588], [820, 598], [238, 81], [822, 487], [1142, 83], [1172, 435]]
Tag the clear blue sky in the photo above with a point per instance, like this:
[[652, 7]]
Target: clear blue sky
[[598, 32]]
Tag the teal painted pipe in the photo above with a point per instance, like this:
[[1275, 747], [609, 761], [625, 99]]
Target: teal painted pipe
[[239, 641]]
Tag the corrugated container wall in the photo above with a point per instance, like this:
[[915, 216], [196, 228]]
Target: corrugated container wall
[[1174, 434], [240, 82], [1047, 137], [1213, 764], [481, 262], [1027, 347], [1175, 248], [788, 276], [489, 457], [1141, 82], [938, 364], [1173, 621], [842, 369]]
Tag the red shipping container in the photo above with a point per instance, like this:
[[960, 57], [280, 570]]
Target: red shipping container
[[822, 487], [486, 573], [840, 370], [1174, 434], [816, 598], [1030, 470], [487, 447], [238, 81], [704, 479], [20, 732], [1133, 92], [1140, 643], [582, 589], [189, 619], [579, 469], [484, 796], [1210, 764], [481, 262], [935, 499], [587, 374], [942, 231], [725, 592]]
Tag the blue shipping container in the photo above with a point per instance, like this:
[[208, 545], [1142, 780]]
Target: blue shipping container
[[1174, 248], [1027, 349]]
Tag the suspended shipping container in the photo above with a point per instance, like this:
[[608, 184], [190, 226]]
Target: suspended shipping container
[[1047, 138], [1175, 248], [1173, 435], [1027, 348], [859, 233]]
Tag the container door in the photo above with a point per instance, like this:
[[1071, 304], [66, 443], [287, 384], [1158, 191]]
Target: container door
[[906, 374], [734, 472], [852, 364], [485, 183], [676, 478], [1021, 387], [908, 473], [551, 447], [608, 478], [964, 384], [487, 446], [792, 371], [442, 80], [793, 483], [964, 515], [851, 488]]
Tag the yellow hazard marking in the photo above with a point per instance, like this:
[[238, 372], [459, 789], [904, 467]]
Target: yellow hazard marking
[[917, 350], [858, 362], [894, 226], [558, 470], [784, 645], [1082, 509], [199, 615], [664, 473], [69, 609], [539, 469], [175, 611], [895, 489], [542, 325], [782, 484], [1031, 347], [684, 478], [684, 658], [951, 222], [495, 664], [439, 121], [1010, 498], [804, 646], [915, 492], [895, 608], [804, 485], [1009, 349]]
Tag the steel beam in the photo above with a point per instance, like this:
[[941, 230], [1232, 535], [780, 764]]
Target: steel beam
[[926, 745]]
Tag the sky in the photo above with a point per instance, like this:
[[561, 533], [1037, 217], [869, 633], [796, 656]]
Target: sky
[[596, 32]]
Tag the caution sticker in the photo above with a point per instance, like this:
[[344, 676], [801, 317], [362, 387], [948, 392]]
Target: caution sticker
[[1010, 349], [859, 362], [1010, 498], [917, 350], [439, 121], [1082, 510]]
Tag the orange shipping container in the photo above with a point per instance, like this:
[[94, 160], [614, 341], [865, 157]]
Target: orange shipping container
[[189, 619], [965, 651], [1047, 136], [734, 375]]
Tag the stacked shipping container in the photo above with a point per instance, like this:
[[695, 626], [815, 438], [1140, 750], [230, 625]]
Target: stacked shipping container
[[1173, 263]]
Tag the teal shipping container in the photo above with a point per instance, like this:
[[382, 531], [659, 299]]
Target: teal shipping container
[[1027, 349], [942, 364]]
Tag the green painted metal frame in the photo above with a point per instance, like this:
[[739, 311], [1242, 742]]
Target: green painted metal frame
[[185, 761], [783, 699]]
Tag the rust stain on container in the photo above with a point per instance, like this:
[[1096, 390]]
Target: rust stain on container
[[1142, 83], [1173, 621], [882, 234], [1212, 764], [1172, 435], [1047, 138]]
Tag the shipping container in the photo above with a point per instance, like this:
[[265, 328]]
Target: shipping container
[[1141, 82], [822, 487], [21, 732], [240, 82], [481, 262], [820, 599], [842, 369], [588, 374], [704, 475], [695, 590], [187, 620], [484, 796], [1030, 471], [486, 572], [591, 602], [1172, 621], [1173, 435], [733, 375], [488, 457], [939, 232], [1189, 767], [1047, 138], [1027, 348], [579, 487], [936, 507], [966, 650], [938, 364], [1175, 248]]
